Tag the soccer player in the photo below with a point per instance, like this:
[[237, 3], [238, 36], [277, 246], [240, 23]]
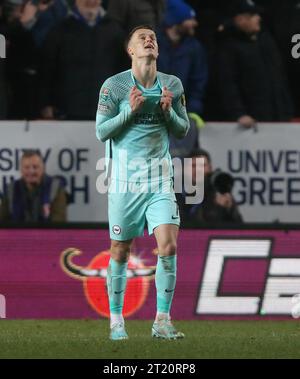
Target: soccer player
[[137, 110]]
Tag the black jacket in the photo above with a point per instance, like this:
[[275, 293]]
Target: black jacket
[[251, 78], [132, 13], [283, 19], [3, 85], [207, 212], [3, 92], [77, 59], [22, 65]]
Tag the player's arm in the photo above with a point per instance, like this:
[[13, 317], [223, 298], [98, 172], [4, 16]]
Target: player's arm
[[175, 110], [109, 121]]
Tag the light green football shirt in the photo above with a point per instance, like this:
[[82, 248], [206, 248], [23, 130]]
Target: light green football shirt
[[138, 143]]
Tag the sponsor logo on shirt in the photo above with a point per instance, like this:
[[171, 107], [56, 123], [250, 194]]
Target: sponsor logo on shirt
[[149, 118], [103, 108]]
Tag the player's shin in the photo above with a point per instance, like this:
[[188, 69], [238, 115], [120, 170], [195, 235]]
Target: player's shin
[[116, 285], [165, 280]]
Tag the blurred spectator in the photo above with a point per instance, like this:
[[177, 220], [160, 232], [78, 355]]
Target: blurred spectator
[[3, 91], [131, 13], [21, 63], [252, 81], [40, 16], [209, 14], [3, 86], [218, 205], [36, 197], [283, 18], [79, 54], [181, 54]]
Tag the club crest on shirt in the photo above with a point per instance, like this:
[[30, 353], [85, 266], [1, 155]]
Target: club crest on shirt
[[116, 229]]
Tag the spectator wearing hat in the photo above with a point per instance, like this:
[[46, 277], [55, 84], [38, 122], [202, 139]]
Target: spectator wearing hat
[[252, 82], [132, 13], [181, 54]]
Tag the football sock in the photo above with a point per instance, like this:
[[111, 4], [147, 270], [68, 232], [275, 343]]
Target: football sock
[[116, 319], [116, 284], [162, 316], [165, 281]]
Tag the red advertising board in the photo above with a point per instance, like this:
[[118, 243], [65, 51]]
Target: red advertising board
[[235, 274]]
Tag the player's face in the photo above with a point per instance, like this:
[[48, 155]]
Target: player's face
[[32, 170], [143, 43]]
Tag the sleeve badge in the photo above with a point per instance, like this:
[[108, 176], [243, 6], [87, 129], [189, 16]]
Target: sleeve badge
[[104, 94]]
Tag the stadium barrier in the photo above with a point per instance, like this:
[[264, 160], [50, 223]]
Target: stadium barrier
[[222, 273], [264, 161]]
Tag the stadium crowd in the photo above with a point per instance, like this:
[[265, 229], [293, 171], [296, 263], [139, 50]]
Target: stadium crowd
[[233, 58]]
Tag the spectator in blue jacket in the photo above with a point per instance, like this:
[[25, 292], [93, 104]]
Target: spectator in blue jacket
[[40, 16], [181, 54]]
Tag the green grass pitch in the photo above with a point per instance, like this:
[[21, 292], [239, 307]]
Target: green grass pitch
[[204, 339]]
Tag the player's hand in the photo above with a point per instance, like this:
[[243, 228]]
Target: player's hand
[[136, 99], [166, 100]]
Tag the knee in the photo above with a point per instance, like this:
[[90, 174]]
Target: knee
[[120, 251], [167, 249]]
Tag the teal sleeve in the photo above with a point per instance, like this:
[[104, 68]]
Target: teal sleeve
[[177, 118], [107, 127], [109, 121]]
